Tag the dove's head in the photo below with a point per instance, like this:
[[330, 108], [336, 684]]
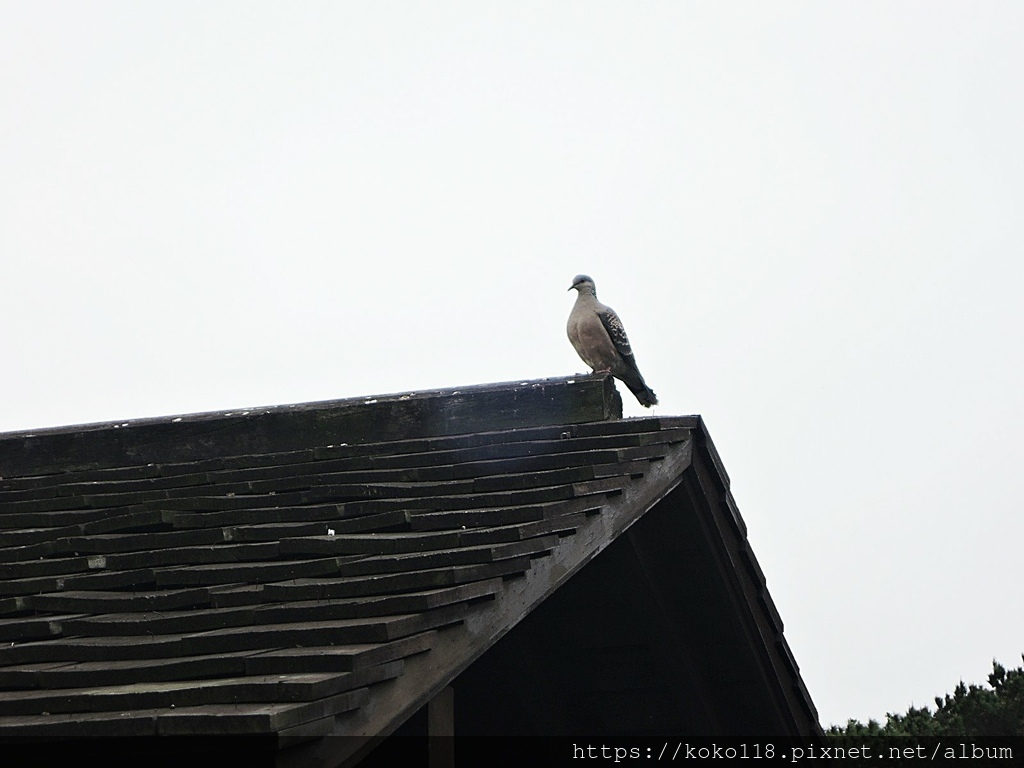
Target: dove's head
[[582, 283]]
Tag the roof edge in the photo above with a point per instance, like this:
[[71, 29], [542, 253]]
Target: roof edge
[[398, 416]]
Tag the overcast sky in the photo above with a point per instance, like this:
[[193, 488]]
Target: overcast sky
[[808, 216]]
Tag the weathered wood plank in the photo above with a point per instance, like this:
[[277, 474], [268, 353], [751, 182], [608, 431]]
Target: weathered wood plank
[[571, 451], [471, 440], [99, 581], [136, 520], [165, 622], [355, 586], [328, 497], [296, 427], [87, 674], [251, 573], [69, 485], [61, 475], [91, 649], [466, 501], [412, 561], [29, 536], [517, 481], [343, 471], [334, 658], [202, 555], [13, 606], [235, 595], [603, 485], [32, 628], [236, 517], [255, 689], [253, 719], [369, 543], [112, 543], [14, 520], [24, 552], [26, 569], [387, 521], [337, 658], [500, 516], [80, 725], [308, 731], [25, 677], [377, 629], [381, 605], [431, 477], [475, 518], [94, 601], [254, 613]]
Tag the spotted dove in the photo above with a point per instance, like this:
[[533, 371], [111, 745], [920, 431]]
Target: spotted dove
[[598, 336]]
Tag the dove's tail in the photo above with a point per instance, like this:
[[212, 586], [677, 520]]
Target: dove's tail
[[643, 393]]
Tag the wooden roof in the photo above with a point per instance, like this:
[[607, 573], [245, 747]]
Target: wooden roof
[[324, 570]]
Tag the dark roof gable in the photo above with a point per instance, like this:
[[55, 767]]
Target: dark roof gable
[[325, 569]]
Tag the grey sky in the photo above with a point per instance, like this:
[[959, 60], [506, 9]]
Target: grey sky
[[807, 215]]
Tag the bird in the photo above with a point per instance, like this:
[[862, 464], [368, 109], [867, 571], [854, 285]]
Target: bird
[[599, 338]]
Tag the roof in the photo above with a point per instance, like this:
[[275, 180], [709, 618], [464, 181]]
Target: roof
[[286, 574]]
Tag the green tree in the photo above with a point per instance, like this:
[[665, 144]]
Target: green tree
[[974, 714]]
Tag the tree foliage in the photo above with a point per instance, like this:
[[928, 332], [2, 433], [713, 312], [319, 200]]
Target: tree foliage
[[974, 714]]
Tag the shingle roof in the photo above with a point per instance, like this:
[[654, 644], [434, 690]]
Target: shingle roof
[[266, 572]]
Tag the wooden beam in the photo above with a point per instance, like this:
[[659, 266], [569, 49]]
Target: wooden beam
[[489, 407], [441, 729]]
